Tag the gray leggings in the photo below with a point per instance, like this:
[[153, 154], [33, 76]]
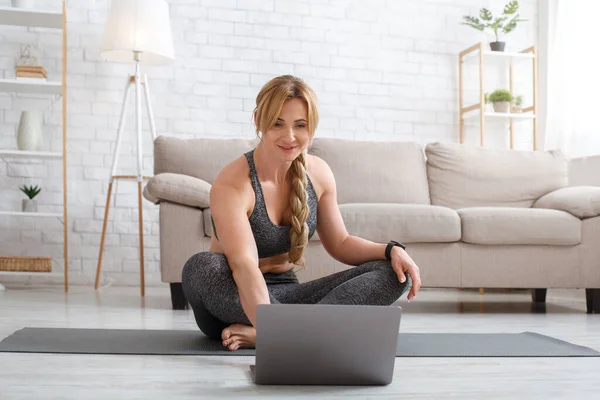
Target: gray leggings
[[210, 289]]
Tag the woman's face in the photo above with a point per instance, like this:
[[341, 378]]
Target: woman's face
[[290, 135]]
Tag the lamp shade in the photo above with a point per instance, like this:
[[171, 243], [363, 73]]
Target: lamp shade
[[138, 26]]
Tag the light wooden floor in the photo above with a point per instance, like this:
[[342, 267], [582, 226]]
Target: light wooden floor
[[37, 376]]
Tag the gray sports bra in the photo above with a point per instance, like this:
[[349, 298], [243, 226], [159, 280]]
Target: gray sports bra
[[272, 239]]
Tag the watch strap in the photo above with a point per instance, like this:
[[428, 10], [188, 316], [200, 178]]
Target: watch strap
[[390, 245]]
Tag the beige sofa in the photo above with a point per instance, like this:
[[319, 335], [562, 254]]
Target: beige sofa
[[471, 217]]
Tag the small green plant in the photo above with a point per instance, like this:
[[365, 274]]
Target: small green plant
[[518, 100], [505, 23], [30, 191], [486, 97], [501, 95]]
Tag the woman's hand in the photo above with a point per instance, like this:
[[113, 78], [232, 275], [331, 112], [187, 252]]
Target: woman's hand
[[403, 264]]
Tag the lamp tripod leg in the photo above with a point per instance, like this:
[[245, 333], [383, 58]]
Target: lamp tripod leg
[[112, 174], [101, 252], [149, 108]]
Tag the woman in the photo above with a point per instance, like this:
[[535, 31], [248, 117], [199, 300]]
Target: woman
[[265, 207]]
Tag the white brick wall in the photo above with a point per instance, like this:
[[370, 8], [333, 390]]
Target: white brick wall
[[383, 70]]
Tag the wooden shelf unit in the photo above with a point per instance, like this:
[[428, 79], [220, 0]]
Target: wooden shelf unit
[[477, 54]]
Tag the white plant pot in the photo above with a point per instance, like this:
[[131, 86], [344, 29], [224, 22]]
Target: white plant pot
[[489, 107], [502, 106], [29, 133], [23, 3], [29, 205]]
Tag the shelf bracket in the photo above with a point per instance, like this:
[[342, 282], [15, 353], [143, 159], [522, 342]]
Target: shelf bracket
[[471, 108]]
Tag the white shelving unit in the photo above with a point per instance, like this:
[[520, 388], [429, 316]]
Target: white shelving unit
[[30, 87], [52, 19], [29, 154], [477, 55], [31, 17], [492, 114], [498, 57], [31, 214]]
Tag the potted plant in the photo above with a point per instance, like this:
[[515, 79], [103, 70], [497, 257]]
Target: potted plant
[[516, 108], [501, 99], [30, 205], [504, 24]]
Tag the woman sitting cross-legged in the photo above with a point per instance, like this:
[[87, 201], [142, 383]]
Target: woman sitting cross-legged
[[265, 206]]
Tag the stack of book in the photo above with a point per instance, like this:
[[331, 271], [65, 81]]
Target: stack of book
[[31, 72]]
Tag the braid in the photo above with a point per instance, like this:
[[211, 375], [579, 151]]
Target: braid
[[299, 211]]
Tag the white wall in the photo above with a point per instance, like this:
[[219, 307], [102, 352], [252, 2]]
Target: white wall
[[383, 70]]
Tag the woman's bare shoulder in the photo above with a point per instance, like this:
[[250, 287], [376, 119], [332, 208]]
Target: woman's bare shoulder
[[234, 175]]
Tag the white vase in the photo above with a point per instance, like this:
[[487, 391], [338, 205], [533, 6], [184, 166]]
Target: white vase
[[29, 205], [23, 3], [29, 134], [501, 106]]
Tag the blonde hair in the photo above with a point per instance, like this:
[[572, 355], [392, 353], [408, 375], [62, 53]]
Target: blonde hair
[[269, 103]]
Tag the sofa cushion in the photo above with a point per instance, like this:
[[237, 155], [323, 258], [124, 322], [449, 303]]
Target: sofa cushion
[[519, 226], [580, 201], [201, 158], [375, 172], [403, 222], [463, 176]]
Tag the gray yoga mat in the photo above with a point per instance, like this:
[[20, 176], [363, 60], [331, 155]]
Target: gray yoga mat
[[192, 342]]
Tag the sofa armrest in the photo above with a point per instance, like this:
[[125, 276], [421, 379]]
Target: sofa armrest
[[583, 171], [580, 201], [179, 189]]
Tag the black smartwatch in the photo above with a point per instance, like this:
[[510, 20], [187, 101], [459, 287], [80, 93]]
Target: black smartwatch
[[388, 248]]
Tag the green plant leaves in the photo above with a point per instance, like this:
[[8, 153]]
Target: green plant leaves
[[501, 95], [30, 191], [487, 20], [511, 7], [512, 24], [473, 23], [485, 14]]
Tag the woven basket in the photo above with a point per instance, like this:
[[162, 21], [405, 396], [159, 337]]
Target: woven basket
[[30, 264]]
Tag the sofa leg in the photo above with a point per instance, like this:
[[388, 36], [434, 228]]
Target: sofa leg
[[592, 297], [539, 295], [177, 297]]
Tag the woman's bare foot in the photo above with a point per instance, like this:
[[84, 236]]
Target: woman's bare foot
[[238, 336]]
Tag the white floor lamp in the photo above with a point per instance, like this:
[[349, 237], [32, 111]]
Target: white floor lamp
[[139, 32]]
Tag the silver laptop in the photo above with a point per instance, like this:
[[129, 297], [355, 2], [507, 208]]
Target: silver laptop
[[318, 344]]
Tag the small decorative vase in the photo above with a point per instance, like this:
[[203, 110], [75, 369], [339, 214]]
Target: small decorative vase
[[29, 134], [23, 3], [497, 46], [502, 106], [29, 205]]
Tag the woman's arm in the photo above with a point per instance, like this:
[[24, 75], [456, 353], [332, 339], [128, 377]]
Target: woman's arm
[[236, 238], [348, 249], [354, 250]]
